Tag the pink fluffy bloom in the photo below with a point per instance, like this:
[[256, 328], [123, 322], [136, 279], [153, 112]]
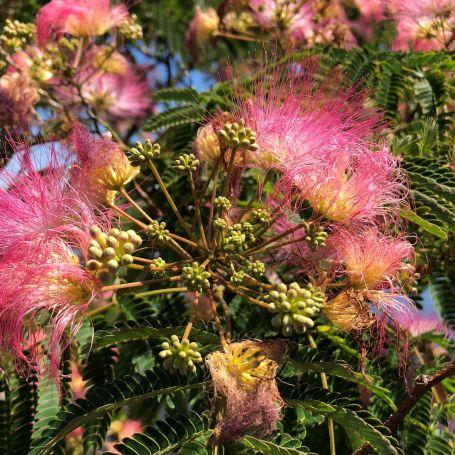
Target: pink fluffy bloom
[[295, 17], [370, 13], [77, 18], [202, 27], [295, 115], [115, 89], [371, 259], [427, 322], [39, 205], [18, 97], [424, 25], [118, 96], [42, 301], [349, 185], [101, 166]]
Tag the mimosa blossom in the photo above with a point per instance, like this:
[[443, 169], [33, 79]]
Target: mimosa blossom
[[45, 293], [371, 259], [77, 18], [37, 206], [349, 185], [295, 115], [110, 85], [295, 17], [101, 167], [424, 25], [244, 380]]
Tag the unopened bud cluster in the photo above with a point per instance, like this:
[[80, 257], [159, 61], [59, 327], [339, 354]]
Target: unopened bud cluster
[[180, 356], [196, 278], [235, 135], [315, 236], [157, 231], [238, 277], [294, 307], [256, 268], [130, 29], [238, 236], [222, 202], [261, 216], [16, 34], [107, 252], [157, 263], [141, 153], [186, 163]]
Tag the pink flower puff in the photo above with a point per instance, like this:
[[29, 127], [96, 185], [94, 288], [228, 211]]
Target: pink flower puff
[[45, 229], [77, 18], [295, 114], [114, 88], [295, 17], [423, 25]]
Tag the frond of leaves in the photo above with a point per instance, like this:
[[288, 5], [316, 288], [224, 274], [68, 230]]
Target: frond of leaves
[[152, 328], [113, 395], [184, 433], [433, 188], [358, 423]]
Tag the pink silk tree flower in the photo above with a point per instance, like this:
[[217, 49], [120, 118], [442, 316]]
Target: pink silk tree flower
[[350, 185], [424, 322], [118, 96], [294, 115], [18, 97], [45, 296], [115, 89], [370, 13], [294, 17], [77, 18], [424, 25], [370, 259], [101, 166], [39, 205]]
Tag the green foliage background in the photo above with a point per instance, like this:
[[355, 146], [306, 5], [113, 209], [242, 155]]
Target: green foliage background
[[415, 91]]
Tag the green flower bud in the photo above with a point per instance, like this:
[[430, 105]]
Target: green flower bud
[[222, 202], [235, 135], [186, 163], [157, 231], [180, 356], [294, 307], [196, 278]]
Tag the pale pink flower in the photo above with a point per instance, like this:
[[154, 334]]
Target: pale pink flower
[[295, 114], [120, 97], [424, 25], [115, 89], [370, 13], [370, 259], [77, 18], [427, 322], [18, 97], [295, 17], [349, 185], [46, 291], [202, 27], [39, 205], [332, 24]]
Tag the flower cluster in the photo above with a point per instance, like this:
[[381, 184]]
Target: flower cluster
[[421, 25], [60, 62]]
